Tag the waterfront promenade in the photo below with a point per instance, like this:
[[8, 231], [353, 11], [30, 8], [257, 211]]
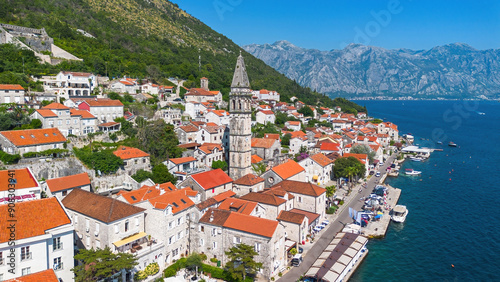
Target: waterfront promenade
[[337, 223]]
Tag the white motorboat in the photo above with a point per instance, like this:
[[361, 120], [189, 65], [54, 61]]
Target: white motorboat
[[412, 172], [399, 213], [416, 159]]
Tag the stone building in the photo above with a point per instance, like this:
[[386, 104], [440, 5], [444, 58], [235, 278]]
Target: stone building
[[265, 117], [219, 230], [11, 93], [248, 183], [240, 100], [62, 186], [266, 148], [289, 170], [31, 140], [319, 168], [27, 186], [209, 183], [133, 159]]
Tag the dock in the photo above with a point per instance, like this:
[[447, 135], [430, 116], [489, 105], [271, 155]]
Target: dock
[[378, 229]]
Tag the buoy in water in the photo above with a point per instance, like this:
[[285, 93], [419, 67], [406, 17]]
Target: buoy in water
[[450, 179], [452, 266]]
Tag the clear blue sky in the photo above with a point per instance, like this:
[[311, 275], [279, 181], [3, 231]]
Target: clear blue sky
[[331, 24]]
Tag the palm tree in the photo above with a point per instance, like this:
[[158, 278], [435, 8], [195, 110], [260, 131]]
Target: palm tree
[[351, 171]]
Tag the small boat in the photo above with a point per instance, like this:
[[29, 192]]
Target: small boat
[[410, 171], [451, 144], [416, 159], [399, 213], [440, 142]]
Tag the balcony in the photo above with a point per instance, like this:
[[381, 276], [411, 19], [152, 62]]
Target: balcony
[[58, 266], [26, 256], [138, 244]]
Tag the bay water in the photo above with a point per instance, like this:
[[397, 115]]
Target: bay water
[[452, 230]]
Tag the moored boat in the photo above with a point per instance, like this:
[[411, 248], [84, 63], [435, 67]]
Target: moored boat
[[399, 213], [410, 171], [451, 144]]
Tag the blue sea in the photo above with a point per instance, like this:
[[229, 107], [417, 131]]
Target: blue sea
[[454, 206]]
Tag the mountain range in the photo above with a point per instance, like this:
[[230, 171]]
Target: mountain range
[[357, 71]]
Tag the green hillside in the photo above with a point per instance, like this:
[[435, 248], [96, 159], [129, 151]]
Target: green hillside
[[140, 39]]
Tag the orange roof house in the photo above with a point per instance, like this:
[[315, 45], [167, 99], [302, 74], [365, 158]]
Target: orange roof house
[[33, 137], [46, 276], [212, 178], [256, 159], [46, 213], [66, 183], [238, 205], [127, 153], [26, 185], [321, 159], [11, 87], [288, 169]]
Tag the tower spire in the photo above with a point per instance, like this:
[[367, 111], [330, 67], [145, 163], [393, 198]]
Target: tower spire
[[240, 77]]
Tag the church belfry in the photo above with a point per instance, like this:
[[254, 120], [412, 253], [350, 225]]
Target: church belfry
[[240, 124]]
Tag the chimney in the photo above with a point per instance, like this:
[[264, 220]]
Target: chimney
[[157, 186], [162, 191]]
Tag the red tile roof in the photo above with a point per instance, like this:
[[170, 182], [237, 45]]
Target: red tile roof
[[299, 187], [238, 205], [189, 145], [327, 146], [249, 180], [84, 74], [108, 124], [103, 102], [46, 113], [178, 200], [23, 177], [126, 153], [99, 207], [224, 195], [310, 215], [321, 159], [288, 169], [200, 92], [208, 148], [263, 143], [292, 217], [11, 87], [55, 106], [146, 192], [220, 113], [31, 137], [212, 178], [46, 276], [264, 198], [293, 122], [256, 159], [267, 112], [275, 136], [83, 113], [68, 182], [182, 160], [34, 218], [189, 128], [240, 222]]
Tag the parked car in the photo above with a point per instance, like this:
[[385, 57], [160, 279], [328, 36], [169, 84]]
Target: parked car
[[297, 260], [372, 172], [378, 174]]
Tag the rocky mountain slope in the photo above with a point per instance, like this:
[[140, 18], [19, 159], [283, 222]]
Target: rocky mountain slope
[[450, 71]]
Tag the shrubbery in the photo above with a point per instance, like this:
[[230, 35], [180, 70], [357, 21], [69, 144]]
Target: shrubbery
[[8, 158], [46, 153]]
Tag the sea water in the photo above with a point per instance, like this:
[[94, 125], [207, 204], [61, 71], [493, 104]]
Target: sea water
[[452, 229]]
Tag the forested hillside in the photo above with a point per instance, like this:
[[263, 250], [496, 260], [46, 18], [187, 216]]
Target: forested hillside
[[140, 39]]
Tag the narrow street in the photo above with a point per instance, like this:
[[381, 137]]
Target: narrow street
[[337, 222]]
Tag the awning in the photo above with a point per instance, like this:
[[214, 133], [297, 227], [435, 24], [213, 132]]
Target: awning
[[130, 239], [315, 177]]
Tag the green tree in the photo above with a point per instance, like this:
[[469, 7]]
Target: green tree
[[330, 191], [306, 111], [142, 175], [219, 164], [193, 261], [241, 262], [259, 168], [286, 139], [36, 123], [161, 174], [340, 169], [96, 265], [364, 149]]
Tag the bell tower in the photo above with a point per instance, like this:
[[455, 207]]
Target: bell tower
[[240, 124]]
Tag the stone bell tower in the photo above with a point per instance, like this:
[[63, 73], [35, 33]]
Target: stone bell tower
[[240, 124]]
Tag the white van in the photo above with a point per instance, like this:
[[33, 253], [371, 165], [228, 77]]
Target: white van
[[297, 260], [377, 174]]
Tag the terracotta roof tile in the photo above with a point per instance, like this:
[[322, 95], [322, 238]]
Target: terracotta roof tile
[[46, 276], [274, 136], [99, 207], [263, 198], [189, 128], [126, 153], [263, 143], [327, 146], [224, 195], [208, 148], [267, 112], [292, 217], [46, 113], [189, 145], [249, 180], [298, 187], [178, 200], [212, 178], [84, 74], [55, 106], [240, 222], [206, 204], [256, 159], [288, 169], [11, 87], [238, 205], [109, 124], [293, 122], [310, 215], [30, 137], [147, 192], [83, 113], [103, 102], [34, 218], [23, 177], [321, 159], [182, 160], [68, 182]]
